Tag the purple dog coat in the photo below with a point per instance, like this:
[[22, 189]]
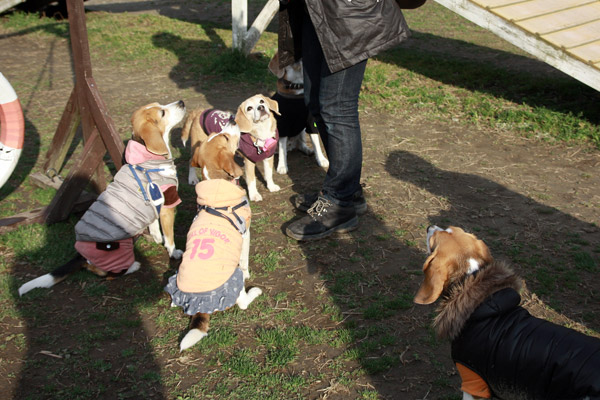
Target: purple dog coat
[[255, 153], [213, 121]]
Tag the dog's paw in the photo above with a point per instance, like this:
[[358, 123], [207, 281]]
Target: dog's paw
[[134, 267], [323, 163], [176, 254], [192, 176], [245, 298], [253, 294], [273, 187], [282, 169], [191, 338], [255, 196], [246, 274]]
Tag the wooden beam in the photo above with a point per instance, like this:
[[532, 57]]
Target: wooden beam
[[259, 25], [104, 122], [63, 137], [245, 39], [531, 43], [6, 4], [77, 179]]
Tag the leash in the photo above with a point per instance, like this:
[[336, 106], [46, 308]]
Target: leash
[[239, 224], [155, 194]]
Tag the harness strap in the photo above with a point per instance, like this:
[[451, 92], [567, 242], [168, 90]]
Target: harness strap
[[239, 224], [156, 196]]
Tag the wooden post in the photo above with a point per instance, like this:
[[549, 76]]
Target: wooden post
[[245, 39], [239, 23], [98, 128], [84, 108]]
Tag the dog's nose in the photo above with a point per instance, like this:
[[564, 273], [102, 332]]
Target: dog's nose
[[261, 108], [181, 104]]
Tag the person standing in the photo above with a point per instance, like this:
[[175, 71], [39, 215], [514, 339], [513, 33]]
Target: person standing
[[334, 39]]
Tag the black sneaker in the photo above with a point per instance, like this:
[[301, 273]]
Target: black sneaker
[[323, 219], [303, 202]]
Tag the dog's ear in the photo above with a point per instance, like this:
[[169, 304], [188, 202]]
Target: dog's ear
[[145, 127], [436, 274], [227, 163], [274, 66], [242, 120], [273, 106]]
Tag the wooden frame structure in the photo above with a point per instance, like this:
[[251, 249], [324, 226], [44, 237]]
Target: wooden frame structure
[[86, 109], [562, 33]]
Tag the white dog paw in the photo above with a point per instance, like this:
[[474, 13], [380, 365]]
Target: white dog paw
[[246, 274], [255, 196], [191, 338], [244, 299], [282, 169], [192, 176], [134, 267], [273, 187], [324, 163], [254, 293], [176, 254]]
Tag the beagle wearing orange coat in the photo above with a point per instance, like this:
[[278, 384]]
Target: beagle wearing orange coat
[[143, 192], [214, 266], [499, 349]]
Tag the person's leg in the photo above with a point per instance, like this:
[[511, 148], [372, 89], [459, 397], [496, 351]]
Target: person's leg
[[338, 100], [333, 101]]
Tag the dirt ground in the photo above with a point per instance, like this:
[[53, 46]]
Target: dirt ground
[[537, 205]]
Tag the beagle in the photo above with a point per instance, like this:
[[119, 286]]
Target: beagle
[[214, 266], [253, 129], [499, 349], [295, 121], [143, 192]]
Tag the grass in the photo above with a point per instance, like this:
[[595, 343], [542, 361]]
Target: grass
[[330, 333]]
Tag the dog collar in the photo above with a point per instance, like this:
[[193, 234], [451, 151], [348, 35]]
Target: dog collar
[[293, 86]]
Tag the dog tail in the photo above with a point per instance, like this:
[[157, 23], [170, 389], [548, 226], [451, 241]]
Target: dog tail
[[198, 330], [51, 279], [185, 131], [188, 125]]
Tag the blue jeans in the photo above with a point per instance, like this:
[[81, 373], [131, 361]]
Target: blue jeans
[[332, 99]]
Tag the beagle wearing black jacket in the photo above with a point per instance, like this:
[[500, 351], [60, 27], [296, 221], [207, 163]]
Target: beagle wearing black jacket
[[499, 349], [295, 121]]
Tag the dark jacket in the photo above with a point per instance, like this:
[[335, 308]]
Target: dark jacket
[[516, 352], [350, 31]]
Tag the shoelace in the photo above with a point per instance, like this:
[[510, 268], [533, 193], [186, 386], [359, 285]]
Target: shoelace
[[320, 206]]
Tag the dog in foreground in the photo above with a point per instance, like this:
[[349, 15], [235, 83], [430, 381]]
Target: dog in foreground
[[253, 129], [214, 265], [295, 121], [499, 349], [143, 192]]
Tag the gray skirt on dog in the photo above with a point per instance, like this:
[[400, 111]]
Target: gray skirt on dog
[[219, 299]]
